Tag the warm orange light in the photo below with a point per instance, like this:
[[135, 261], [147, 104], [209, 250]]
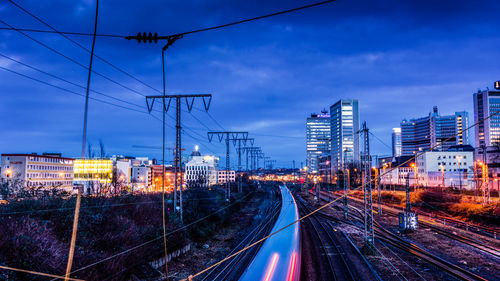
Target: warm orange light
[[412, 165]]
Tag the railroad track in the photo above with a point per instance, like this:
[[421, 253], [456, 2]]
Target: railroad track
[[455, 236], [340, 262], [451, 235], [233, 268], [392, 239]]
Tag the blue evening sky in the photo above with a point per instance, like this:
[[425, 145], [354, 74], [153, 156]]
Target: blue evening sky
[[399, 58]]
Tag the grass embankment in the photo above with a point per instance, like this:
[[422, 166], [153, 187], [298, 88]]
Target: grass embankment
[[458, 206]]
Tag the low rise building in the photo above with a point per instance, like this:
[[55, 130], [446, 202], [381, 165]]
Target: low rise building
[[48, 170], [94, 174], [448, 168], [223, 177], [201, 170]]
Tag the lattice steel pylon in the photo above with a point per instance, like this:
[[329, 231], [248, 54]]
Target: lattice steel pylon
[[367, 188], [227, 136], [239, 149], [166, 100]]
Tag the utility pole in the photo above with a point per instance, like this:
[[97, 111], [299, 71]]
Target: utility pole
[[379, 196], [227, 136], [367, 186], [250, 151], [346, 183], [189, 98], [486, 189], [238, 149]]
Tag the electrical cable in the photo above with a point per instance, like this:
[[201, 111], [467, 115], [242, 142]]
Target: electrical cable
[[84, 139], [69, 91], [67, 81], [37, 273], [82, 47], [160, 237], [331, 202], [178, 34], [72, 60], [385, 245]]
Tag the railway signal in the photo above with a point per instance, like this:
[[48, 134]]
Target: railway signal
[[408, 220]]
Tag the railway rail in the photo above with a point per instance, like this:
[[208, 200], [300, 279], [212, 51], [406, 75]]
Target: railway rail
[[451, 235], [344, 260], [233, 268], [392, 239]]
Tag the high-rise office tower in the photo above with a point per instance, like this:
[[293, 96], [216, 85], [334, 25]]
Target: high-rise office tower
[[434, 132], [487, 131], [396, 142], [318, 138], [344, 132]]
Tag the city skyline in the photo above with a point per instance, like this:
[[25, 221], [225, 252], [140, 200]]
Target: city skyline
[[411, 76]]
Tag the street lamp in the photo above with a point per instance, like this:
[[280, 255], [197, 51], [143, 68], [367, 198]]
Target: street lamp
[[459, 172], [442, 177], [8, 172], [415, 172]]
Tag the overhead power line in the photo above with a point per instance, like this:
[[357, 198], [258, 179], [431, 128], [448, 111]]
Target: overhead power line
[[177, 34], [82, 47], [69, 91], [73, 60], [333, 201], [67, 81]]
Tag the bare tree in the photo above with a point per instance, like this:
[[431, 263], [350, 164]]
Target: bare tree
[[101, 149]]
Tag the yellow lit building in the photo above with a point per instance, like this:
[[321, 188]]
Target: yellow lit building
[[92, 173]]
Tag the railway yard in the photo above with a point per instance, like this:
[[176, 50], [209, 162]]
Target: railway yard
[[434, 251], [327, 245]]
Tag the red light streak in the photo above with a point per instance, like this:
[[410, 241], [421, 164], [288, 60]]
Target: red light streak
[[292, 267], [270, 269]]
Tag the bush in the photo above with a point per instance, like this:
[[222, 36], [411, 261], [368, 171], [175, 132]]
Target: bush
[[38, 240]]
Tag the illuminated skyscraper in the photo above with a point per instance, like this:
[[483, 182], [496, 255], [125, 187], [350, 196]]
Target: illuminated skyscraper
[[488, 129], [318, 139], [396, 142], [434, 131], [344, 123]]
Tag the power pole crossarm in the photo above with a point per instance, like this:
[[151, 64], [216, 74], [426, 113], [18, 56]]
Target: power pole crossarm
[[228, 136]]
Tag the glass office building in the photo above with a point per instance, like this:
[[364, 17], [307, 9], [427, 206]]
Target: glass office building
[[318, 139], [434, 132], [396, 142], [344, 132], [488, 129]]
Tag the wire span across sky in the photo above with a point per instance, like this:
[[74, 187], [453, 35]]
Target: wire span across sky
[[266, 76]]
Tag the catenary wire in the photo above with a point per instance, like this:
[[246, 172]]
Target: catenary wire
[[160, 237], [72, 60], [82, 47], [182, 33], [68, 91], [36, 273], [67, 81]]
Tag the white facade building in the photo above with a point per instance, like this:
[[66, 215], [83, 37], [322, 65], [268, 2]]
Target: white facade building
[[140, 177], [223, 177], [37, 171], [454, 167], [201, 170]]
